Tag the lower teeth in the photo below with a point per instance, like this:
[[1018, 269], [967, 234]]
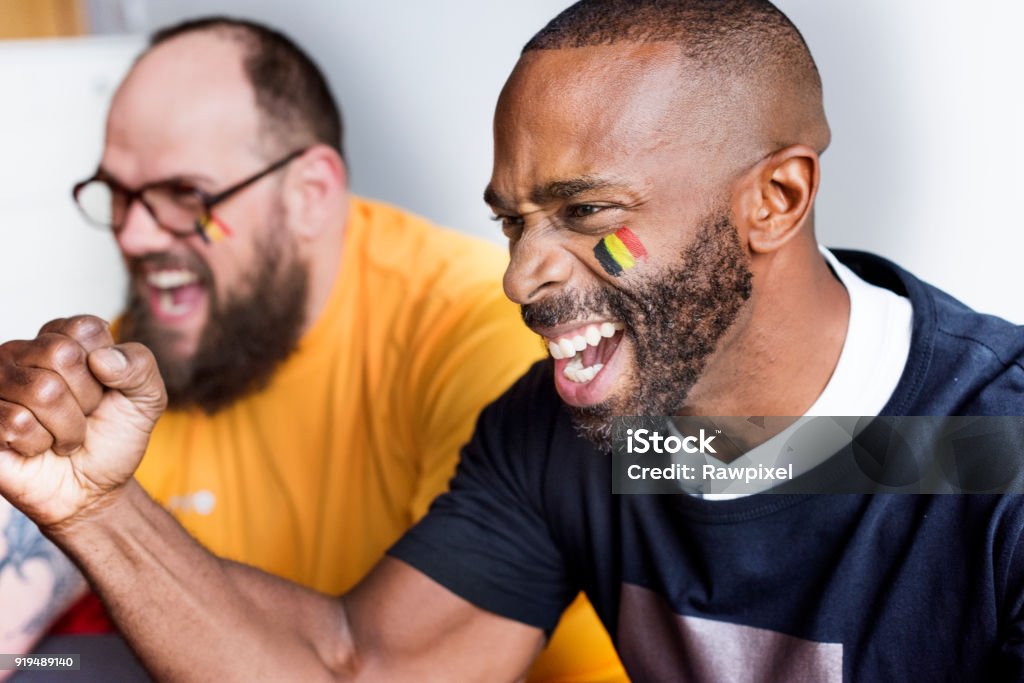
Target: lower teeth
[[575, 371], [168, 305]]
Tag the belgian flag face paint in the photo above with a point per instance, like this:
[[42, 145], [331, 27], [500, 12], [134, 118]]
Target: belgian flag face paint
[[620, 252], [211, 229]]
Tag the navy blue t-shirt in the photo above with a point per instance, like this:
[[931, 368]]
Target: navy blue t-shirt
[[770, 587]]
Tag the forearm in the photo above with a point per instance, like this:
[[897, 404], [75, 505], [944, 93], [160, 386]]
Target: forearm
[[74, 426], [192, 616], [37, 582]]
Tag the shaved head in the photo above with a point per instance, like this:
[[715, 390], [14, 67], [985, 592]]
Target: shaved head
[[697, 126], [743, 59]]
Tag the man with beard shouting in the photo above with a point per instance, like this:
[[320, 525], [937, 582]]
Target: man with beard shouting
[[325, 356], [656, 164]]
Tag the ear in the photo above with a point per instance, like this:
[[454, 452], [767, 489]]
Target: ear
[[776, 197], [315, 188]]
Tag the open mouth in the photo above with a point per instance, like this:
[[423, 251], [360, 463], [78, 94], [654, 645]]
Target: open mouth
[[587, 349], [174, 293], [584, 367]]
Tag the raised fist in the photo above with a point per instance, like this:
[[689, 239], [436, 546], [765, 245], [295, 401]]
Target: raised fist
[[76, 412]]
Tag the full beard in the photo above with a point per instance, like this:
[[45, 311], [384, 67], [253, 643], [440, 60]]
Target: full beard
[[675, 320], [245, 338]]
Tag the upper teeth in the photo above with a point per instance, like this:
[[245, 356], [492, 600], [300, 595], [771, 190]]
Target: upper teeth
[[169, 279], [591, 335]]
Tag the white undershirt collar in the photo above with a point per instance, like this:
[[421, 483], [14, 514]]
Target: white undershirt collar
[[870, 364]]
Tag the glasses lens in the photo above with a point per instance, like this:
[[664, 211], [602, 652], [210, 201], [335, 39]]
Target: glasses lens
[[177, 207], [97, 200]]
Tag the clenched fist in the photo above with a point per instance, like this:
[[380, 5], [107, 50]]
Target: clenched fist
[[76, 412]]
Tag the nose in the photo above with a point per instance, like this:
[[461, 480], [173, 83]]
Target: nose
[[539, 265], [141, 234]]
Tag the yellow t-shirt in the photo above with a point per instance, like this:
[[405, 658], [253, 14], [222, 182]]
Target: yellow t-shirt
[[315, 476]]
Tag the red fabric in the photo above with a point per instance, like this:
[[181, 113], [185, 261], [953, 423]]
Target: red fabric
[[87, 616]]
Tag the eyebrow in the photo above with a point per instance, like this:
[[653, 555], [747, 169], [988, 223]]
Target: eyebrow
[[567, 189], [556, 189]]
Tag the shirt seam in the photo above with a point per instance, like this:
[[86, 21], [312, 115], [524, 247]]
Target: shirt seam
[[1006, 364]]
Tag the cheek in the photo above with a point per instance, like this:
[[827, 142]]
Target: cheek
[[620, 252], [226, 263], [216, 229]]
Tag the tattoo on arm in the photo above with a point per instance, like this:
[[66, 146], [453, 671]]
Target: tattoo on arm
[[25, 544]]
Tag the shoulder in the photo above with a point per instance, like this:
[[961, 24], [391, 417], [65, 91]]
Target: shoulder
[[441, 288], [961, 361], [525, 419], [528, 433], [401, 244], [437, 285]]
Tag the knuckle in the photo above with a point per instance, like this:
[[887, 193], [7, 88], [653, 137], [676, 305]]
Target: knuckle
[[86, 323], [46, 342], [78, 326], [64, 353], [15, 421], [48, 390], [12, 350], [54, 325], [22, 420], [20, 430], [83, 326]]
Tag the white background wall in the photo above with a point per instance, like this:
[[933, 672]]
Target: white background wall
[[53, 99], [924, 97]]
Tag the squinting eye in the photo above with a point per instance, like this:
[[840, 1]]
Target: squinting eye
[[510, 225], [182, 192]]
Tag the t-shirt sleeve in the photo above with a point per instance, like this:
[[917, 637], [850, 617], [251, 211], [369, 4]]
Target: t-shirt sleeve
[[487, 539]]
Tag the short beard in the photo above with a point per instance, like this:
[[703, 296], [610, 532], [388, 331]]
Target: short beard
[[675, 320], [245, 338]]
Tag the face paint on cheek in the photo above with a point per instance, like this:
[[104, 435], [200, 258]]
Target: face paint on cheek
[[212, 229], [620, 251]]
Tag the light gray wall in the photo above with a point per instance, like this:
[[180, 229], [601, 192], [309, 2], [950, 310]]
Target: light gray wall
[[417, 82], [924, 98], [926, 103]]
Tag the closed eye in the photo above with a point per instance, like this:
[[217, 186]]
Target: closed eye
[[181, 190]]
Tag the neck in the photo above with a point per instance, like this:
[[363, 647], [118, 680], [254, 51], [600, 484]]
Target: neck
[[324, 258], [781, 353]]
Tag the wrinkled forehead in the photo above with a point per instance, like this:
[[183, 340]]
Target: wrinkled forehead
[[628, 91], [633, 112], [187, 102]]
